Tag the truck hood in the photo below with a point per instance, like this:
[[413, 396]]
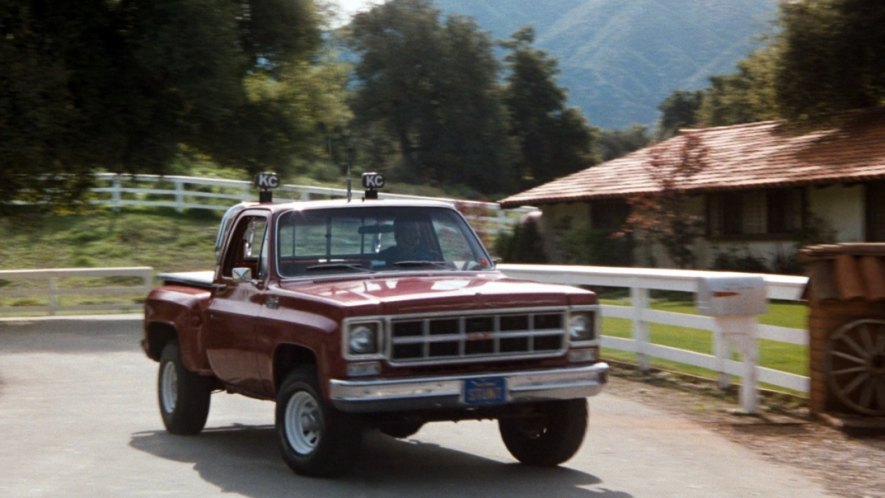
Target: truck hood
[[437, 293]]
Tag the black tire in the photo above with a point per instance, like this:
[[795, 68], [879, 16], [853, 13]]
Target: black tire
[[548, 438], [315, 439], [183, 395]]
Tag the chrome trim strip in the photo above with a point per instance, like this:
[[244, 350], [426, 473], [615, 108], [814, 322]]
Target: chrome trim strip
[[494, 311], [445, 391]]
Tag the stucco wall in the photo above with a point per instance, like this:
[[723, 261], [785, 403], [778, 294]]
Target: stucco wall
[[840, 208], [554, 215]]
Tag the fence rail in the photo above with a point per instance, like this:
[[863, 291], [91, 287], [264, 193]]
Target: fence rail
[[185, 192], [93, 289], [640, 281]]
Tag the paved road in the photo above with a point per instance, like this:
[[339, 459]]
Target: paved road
[[78, 417]]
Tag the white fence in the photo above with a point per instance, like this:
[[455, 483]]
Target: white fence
[[93, 289], [185, 192], [640, 281]]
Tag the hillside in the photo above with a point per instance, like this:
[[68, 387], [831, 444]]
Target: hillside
[[620, 59], [160, 238]]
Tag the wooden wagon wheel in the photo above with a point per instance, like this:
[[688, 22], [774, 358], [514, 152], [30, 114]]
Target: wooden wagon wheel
[[855, 364]]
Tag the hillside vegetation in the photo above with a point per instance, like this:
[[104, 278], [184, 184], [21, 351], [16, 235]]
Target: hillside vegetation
[[162, 239], [478, 103], [620, 59]]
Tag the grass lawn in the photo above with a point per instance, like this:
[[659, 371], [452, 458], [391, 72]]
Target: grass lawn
[[775, 355]]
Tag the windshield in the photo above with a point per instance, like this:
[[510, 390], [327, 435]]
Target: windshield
[[368, 239]]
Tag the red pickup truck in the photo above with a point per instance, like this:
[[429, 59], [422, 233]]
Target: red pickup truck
[[372, 314]]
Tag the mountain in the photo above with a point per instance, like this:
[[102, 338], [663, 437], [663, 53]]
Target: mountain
[[619, 59]]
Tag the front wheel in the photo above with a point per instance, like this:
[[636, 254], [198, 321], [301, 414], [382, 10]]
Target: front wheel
[[315, 439], [549, 436], [184, 396]]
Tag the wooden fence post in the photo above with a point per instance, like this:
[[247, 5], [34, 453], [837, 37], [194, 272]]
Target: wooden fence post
[[115, 193], [639, 297], [179, 195], [53, 295]]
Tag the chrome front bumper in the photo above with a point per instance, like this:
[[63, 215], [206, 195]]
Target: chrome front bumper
[[447, 391]]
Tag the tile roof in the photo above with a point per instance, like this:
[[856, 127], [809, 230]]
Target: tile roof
[[845, 272], [766, 154]]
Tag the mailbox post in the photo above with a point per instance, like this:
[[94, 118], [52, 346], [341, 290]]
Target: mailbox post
[[734, 301]]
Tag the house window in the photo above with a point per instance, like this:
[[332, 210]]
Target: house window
[[875, 200], [755, 213], [609, 215]]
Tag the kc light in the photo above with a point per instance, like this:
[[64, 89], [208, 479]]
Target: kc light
[[363, 339], [581, 327]]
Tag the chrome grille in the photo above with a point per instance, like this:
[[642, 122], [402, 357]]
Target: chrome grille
[[477, 337]]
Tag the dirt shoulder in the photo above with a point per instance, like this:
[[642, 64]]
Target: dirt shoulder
[[783, 431]]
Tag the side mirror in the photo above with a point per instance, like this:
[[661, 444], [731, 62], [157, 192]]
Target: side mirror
[[242, 274]]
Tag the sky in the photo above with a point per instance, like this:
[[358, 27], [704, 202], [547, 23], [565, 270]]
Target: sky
[[348, 8]]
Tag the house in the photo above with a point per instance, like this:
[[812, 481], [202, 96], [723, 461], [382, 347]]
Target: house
[[762, 189]]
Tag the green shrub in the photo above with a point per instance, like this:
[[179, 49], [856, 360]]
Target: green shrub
[[586, 246], [739, 260], [523, 245]]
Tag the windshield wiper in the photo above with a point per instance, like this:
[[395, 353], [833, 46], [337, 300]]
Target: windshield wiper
[[418, 263], [337, 266]]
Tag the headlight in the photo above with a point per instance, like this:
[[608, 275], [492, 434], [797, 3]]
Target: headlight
[[581, 327], [363, 339]]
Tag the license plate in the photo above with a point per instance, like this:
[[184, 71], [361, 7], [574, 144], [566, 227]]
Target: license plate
[[486, 391]]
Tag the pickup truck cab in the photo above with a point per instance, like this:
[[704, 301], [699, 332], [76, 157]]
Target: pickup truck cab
[[372, 314]]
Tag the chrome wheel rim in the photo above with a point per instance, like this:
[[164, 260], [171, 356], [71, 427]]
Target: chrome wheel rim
[[303, 423], [169, 387]]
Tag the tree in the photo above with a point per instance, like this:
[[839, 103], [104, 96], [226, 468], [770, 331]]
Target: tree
[[432, 87], [123, 85], [613, 144], [825, 59], [554, 140], [41, 121], [678, 111], [831, 58], [662, 216], [745, 96]]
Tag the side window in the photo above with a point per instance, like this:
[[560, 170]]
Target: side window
[[263, 257], [248, 247], [452, 243]]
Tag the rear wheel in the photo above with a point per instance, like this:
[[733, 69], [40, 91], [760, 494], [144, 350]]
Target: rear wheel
[[549, 436], [315, 439], [183, 395]]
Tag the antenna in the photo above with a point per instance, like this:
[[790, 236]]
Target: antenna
[[349, 152]]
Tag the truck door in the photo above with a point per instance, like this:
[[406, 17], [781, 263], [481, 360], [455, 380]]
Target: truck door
[[236, 304]]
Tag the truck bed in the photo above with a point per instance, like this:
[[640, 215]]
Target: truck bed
[[201, 279]]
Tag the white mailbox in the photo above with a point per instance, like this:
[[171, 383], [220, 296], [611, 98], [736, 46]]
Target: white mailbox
[[728, 295]]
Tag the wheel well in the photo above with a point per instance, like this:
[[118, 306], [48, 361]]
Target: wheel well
[[158, 335], [289, 357]]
